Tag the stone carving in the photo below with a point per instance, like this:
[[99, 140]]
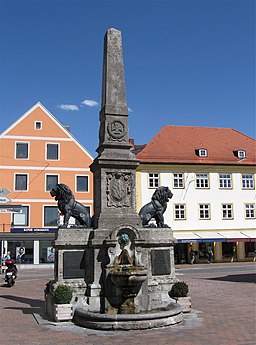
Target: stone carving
[[116, 131], [119, 189], [156, 208], [69, 207]]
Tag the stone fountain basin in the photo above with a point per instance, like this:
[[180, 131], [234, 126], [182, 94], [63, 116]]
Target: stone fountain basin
[[128, 277], [162, 317]]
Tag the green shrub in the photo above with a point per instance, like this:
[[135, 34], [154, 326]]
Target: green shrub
[[62, 294], [179, 289]]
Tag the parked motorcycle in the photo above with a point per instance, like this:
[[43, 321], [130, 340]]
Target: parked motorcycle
[[10, 272]]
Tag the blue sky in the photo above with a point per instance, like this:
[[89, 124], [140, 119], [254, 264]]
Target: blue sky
[[187, 63]]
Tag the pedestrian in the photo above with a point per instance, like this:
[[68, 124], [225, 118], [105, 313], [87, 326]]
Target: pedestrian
[[8, 256], [192, 256], [209, 254]]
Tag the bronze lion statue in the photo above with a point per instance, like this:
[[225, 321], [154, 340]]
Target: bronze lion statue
[[69, 207], [156, 208]]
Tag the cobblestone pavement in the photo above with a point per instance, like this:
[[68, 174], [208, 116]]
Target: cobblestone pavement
[[223, 313]]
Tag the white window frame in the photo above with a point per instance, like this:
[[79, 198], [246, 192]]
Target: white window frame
[[88, 183], [155, 177], [15, 154], [46, 175], [43, 214], [179, 212], [204, 211], [46, 150], [227, 211], [28, 218], [225, 181], [203, 153], [247, 180], [249, 211], [14, 184], [203, 179], [41, 125], [179, 178], [241, 154]]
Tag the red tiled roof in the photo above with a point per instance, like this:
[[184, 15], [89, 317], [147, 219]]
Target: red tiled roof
[[178, 144]]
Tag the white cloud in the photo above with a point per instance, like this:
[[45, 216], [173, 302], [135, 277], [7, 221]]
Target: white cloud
[[90, 103], [130, 110], [68, 107]]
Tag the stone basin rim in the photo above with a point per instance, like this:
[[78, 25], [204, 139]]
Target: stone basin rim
[[171, 310]]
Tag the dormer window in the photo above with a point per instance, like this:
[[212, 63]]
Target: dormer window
[[202, 152], [241, 154], [38, 124]]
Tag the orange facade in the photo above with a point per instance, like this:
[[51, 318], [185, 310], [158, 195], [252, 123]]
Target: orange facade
[[35, 152]]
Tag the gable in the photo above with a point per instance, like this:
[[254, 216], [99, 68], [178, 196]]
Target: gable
[[51, 128]]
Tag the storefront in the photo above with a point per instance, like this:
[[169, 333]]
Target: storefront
[[226, 246], [29, 245]]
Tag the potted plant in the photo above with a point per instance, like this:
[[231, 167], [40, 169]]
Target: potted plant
[[179, 292], [62, 308]]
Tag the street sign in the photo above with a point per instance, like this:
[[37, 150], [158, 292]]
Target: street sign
[[4, 200], [10, 209], [4, 191]]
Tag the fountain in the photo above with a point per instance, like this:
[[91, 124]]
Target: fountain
[[126, 266]]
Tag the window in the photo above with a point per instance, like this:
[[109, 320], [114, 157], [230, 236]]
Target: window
[[179, 211], [241, 154], [249, 211], [38, 124], [82, 183], [153, 180], [227, 211], [202, 181], [21, 150], [21, 219], [21, 182], [52, 151], [178, 180], [204, 211], [202, 153], [51, 181], [225, 180], [247, 181], [46, 251], [51, 216]]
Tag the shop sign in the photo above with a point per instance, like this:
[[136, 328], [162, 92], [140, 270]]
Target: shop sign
[[32, 230]]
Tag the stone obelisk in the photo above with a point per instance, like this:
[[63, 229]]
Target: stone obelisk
[[114, 167]]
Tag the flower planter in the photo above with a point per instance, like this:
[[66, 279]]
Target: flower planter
[[185, 303], [62, 312]]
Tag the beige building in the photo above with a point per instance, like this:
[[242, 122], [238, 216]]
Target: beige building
[[211, 172]]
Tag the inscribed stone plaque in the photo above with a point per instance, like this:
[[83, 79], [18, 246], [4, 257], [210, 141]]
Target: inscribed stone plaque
[[160, 262], [73, 264]]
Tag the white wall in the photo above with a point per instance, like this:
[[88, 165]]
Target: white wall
[[213, 196]]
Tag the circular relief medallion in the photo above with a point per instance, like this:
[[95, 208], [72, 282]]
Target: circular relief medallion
[[116, 129]]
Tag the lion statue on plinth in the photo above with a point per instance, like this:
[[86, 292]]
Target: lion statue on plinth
[[156, 208], [69, 207]]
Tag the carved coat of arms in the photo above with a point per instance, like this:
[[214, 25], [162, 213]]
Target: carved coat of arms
[[119, 189]]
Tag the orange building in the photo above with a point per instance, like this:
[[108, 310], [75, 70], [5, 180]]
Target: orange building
[[37, 152]]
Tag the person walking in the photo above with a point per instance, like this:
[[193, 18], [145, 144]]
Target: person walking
[[209, 254], [192, 256]]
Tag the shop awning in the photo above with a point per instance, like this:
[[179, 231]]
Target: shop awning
[[186, 237], [236, 236], [250, 234], [211, 236]]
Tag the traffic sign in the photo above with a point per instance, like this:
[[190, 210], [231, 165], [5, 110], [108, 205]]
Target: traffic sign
[[4, 191], [4, 200]]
